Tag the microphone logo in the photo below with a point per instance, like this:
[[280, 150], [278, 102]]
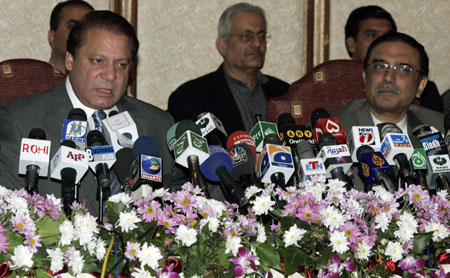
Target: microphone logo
[[378, 160], [238, 155], [365, 169], [332, 127], [76, 129], [418, 160], [439, 160], [203, 122], [366, 138], [290, 133]]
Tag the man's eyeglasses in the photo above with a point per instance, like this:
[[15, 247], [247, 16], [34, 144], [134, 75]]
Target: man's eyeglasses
[[400, 69], [248, 36]]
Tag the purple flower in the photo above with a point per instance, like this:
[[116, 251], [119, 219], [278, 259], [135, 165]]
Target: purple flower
[[33, 242], [184, 201], [244, 262], [21, 224], [4, 244], [167, 272], [441, 274], [149, 211], [168, 222], [132, 250], [410, 262]]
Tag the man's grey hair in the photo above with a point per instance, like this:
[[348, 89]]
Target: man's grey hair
[[225, 18]]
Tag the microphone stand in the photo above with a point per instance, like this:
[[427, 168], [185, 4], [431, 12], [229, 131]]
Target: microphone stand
[[196, 177]]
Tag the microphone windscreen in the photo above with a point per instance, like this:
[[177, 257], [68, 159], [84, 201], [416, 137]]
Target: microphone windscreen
[[447, 121], [95, 138], [422, 130], [272, 139], [285, 118], [327, 140], [124, 158], [305, 150], [317, 114], [185, 125], [362, 150], [37, 133], [113, 113], [386, 128], [218, 156], [69, 143], [145, 145], [77, 114], [243, 160]]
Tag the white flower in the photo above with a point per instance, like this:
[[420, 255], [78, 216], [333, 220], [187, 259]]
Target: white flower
[[100, 249], [159, 193], [217, 206], [22, 258], [149, 255], [186, 235], [440, 232], [394, 250], [85, 227], [262, 237], [120, 198], [55, 201], [339, 242], [56, 257], [336, 186], [127, 221], [17, 204], [213, 224], [407, 227], [262, 204], [332, 218], [293, 235], [141, 273], [251, 190], [232, 245], [317, 190], [76, 262], [382, 221], [363, 251], [382, 194], [67, 233], [443, 194]]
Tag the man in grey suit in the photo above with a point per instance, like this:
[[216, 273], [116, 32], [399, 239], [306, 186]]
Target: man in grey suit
[[395, 73], [101, 49]]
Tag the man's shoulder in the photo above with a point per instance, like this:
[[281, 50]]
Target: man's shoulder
[[275, 87], [200, 85], [37, 100], [428, 116], [143, 106], [351, 107]]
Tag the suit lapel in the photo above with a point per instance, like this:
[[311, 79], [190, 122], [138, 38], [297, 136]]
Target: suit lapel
[[58, 108]]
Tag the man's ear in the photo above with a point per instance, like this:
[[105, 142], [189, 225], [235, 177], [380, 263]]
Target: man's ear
[[221, 45], [422, 84], [51, 38], [350, 44], [69, 61]]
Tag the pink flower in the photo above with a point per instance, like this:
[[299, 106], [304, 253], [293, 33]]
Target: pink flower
[[185, 201], [167, 272], [410, 262], [132, 250], [168, 222], [244, 262], [21, 224], [149, 211], [33, 242], [4, 244]]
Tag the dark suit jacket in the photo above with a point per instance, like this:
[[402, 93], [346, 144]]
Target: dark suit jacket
[[47, 111], [211, 93]]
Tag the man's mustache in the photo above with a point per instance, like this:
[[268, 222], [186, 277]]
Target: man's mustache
[[253, 51], [388, 87]]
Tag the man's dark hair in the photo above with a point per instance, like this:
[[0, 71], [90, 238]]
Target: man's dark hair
[[363, 13], [104, 20], [401, 37], [57, 10]]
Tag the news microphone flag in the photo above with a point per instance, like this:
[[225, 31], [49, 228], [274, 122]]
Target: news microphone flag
[[311, 167], [34, 152], [363, 135], [275, 159], [190, 143], [261, 130], [120, 130], [396, 143], [67, 157]]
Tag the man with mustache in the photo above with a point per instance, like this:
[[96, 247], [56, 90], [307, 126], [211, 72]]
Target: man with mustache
[[395, 74], [237, 90]]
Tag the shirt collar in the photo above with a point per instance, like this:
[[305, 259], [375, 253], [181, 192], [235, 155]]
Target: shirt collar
[[260, 77], [402, 124]]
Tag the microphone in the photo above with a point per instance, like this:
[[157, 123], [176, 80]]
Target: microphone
[[397, 149], [374, 168], [261, 130], [419, 165], [69, 165], [171, 136], [363, 135], [438, 172], [323, 123], [124, 158], [217, 168], [309, 164], [241, 136], [146, 167], [275, 162], [120, 130], [34, 158], [243, 164], [191, 150], [336, 158], [288, 135], [431, 140], [212, 129], [75, 128], [447, 128]]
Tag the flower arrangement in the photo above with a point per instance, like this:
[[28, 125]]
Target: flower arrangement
[[318, 230]]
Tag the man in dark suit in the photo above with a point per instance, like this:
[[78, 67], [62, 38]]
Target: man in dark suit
[[395, 73], [367, 23], [237, 90], [101, 49]]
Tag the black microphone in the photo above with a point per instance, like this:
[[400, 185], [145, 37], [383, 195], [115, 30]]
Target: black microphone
[[287, 128], [34, 158], [212, 129], [243, 164], [374, 168], [124, 158]]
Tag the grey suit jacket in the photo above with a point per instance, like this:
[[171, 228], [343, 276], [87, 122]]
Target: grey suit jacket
[[357, 113], [47, 111]]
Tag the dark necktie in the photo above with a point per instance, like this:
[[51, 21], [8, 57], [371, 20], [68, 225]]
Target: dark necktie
[[97, 117]]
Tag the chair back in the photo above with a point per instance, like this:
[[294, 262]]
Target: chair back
[[328, 86], [22, 77]]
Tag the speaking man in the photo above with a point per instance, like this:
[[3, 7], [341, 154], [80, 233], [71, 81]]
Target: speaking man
[[101, 50], [237, 90], [395, 74]]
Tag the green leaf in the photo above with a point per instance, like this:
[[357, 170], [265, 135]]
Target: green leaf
[[268, 255], [293, 257], [40, 273], [114, 210], [421, 242], [49, 229]]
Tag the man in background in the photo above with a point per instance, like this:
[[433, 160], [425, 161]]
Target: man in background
[[237, 90], [367, 23], [62, 19]]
